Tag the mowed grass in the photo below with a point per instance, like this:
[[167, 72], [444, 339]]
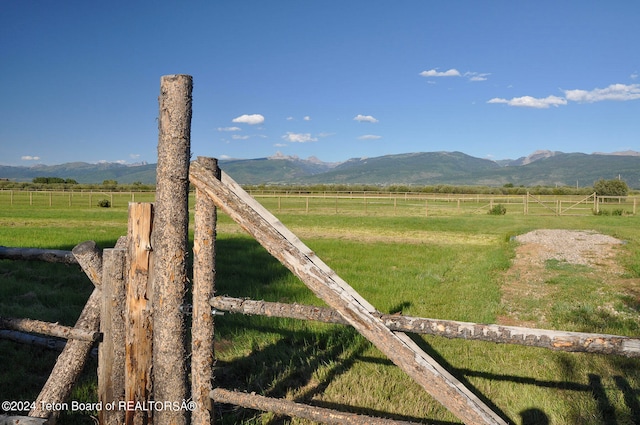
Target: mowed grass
[[449, 267]]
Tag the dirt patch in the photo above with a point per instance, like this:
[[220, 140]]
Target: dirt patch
[[544, 254], [574, 247]]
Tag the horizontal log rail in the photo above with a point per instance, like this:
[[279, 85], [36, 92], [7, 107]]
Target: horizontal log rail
[[298, 410], [37, 254], [550, 339], [21, 420], [47, 328], [35, 340]]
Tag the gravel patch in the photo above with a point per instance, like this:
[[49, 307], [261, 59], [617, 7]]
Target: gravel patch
[[584, 247]]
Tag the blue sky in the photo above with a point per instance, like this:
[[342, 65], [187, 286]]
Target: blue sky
[[333, 79]]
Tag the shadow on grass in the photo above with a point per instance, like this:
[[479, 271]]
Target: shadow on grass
[[289, 367], [600, 393]]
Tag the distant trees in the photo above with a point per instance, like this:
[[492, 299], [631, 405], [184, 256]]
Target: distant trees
[[53, 180], [613, 187]]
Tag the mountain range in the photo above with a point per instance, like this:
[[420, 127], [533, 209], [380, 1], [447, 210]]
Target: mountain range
[[544, 168]]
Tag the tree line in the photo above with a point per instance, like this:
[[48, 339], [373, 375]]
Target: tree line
[[601, 187], [58, 183]]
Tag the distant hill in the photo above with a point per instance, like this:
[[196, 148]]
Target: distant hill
[[544, 168], [84, 172], [567, 169], [276, 169], [411, 169]]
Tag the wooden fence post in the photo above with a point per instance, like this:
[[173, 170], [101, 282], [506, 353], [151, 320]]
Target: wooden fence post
[[202, 326], [111, 353], [139, 326], [170, 245]]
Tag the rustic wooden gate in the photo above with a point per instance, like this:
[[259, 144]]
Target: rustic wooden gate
[[583, 206], [327, 285]]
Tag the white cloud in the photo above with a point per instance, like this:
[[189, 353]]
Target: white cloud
[[369, 137], [239, 137], [365, 118], [435, 73], [289, 118], [531, 102], [307, 118], [30, 158], [616, 92], [134, 155], [229, 129], [252, 119], [299, 137], [470, 75], [476, 76], [634, 75], [619, 92]]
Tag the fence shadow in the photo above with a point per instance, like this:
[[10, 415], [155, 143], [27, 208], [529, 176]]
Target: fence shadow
[[290, 366]]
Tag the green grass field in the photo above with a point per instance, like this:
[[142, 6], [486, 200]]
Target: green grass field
[[451, 266]]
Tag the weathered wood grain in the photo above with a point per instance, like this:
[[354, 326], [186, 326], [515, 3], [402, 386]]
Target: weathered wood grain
[[138, 313], [111, 365], [170, 245], [202, 326]]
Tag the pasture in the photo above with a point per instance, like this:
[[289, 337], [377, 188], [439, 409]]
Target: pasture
[[454, 265]]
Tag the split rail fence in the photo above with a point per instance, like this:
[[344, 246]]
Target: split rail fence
[[427, 205], [355, 202], [137, 311], [71, 198]]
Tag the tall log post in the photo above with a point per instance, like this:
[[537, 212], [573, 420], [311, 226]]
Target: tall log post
[[203, 289], [111, 354], [138, 310], [73, 358], [170, 244]]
